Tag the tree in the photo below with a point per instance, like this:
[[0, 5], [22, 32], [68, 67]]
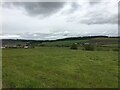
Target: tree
[[18, 45], [74, 46], [89, 47]]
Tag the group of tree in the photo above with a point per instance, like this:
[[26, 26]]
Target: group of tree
[[88, 47]]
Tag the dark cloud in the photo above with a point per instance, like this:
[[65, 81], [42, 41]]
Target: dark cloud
[[39, 8], [94, 2]]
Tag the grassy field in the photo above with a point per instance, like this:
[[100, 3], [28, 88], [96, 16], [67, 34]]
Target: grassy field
[[55, 67]]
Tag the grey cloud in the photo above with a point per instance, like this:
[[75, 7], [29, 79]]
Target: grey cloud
[[98, 18], [39, 36], [54, 36], [94, 2], [34, 36], [97, 14], [74, 6], [39, 8], [100, 15], [119, 13]]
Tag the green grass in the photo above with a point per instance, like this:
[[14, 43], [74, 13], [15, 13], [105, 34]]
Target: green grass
[[53, 67], [111, 45]]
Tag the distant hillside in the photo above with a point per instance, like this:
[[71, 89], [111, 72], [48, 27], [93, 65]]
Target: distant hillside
[[63, 42], [69, 38]]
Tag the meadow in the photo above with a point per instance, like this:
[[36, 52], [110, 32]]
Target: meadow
[[59, 67]]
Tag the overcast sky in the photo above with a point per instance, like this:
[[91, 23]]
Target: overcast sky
[[53, 20]]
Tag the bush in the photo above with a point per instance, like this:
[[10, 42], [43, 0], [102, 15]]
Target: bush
[[116, 49], [42, 45], [89, 47], [74, 46]]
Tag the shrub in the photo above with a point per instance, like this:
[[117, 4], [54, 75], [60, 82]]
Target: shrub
[[116, 49], [18, 45], [42, 45], [89, 47], [74, 46]]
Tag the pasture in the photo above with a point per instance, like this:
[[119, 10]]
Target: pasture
[[59, 67]]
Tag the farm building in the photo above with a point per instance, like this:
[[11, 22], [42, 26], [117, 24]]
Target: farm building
[[26, 47]]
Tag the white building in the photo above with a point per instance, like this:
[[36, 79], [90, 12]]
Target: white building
[[26, 47]]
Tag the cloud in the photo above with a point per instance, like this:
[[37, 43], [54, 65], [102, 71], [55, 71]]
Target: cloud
[[99, 13], [66, 19], [74, 7], [91, 12], [38, 8], [98, 18], [9, 36], [34, 36], [59, 34], [94, 2]]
